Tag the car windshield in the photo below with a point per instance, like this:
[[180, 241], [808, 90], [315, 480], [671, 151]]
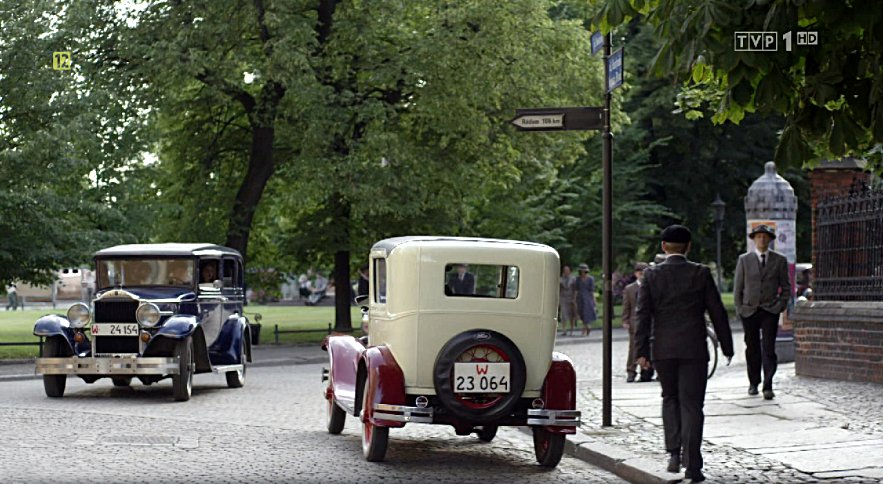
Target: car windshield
[[145, 272]]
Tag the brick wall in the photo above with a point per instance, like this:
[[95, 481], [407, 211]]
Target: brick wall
[[839, 340]]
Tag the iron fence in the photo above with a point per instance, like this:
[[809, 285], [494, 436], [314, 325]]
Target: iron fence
[[849, 248]]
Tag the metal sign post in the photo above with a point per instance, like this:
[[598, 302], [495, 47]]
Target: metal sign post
[[592, 118], [607, 241]]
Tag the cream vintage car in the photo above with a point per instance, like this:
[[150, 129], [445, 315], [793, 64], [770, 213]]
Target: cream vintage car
[[462, 333]]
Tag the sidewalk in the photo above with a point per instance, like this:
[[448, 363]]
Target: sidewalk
[[814, 430]]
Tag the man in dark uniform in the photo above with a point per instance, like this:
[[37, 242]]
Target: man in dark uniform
[[463, 282], [672, 302]]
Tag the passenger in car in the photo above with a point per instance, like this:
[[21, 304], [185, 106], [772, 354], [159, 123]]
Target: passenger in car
[[209, 272]]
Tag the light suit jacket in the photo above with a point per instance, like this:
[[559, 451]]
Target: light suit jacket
[[756, 287]]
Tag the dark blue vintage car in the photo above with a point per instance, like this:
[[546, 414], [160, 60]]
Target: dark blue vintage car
[[160, 311]]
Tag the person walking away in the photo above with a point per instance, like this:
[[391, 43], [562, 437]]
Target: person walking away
[[12, 296], [585, 298], [462, 283], [761, 291], [672, 301], [630, 323], [567, 300]]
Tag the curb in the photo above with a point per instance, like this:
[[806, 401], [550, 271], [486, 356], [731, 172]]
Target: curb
[[619, 461], [616, 460]]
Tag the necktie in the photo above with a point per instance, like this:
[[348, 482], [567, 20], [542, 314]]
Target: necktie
[[762, 260]]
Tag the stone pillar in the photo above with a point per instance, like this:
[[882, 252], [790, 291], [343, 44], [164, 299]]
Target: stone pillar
[[834, 178]]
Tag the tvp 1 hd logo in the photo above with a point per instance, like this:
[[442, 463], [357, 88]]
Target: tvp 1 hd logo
[[769, 41]]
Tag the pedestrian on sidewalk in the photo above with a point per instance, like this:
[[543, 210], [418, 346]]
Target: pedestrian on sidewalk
[[761, 292], [567, 301], [585, 298], [672, 301], [630, 323]]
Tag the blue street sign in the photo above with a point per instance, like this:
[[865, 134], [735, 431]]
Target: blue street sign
[[614, 70], [597, 42]]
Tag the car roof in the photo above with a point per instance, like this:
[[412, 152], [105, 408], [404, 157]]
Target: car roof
[[169, 249], [389, 244]]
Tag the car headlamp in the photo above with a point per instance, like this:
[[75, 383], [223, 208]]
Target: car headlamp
[[78, 315], [148, 315]]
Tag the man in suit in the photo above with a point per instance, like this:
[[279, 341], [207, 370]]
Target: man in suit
[[630, 322], [463, 282], [672, 302], [761, 292]]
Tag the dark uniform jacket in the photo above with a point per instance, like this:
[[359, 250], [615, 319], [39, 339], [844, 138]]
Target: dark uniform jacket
[[672, 302]]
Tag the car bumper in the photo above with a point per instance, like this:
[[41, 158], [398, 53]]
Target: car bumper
[[537, 417], [108, 366], [553, 418]]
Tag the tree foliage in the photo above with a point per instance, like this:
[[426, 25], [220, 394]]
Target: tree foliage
[[70, 167], [831, 94]]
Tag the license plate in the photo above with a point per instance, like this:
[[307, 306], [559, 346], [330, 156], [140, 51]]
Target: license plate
[[114, 329], [481, 377]]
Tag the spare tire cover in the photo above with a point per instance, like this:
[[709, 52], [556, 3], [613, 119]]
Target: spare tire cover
[[444, 369]]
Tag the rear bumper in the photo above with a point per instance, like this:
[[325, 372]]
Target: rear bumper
[[535, 417], [553, 418], [107, 366]]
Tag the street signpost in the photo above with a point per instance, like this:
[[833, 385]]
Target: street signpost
[[592, 118], [558, 119]]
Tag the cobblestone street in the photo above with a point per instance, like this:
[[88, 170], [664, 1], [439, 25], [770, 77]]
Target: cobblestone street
[[273, 430]]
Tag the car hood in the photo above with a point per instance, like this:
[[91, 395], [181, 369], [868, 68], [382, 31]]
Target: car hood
[[157, 292]]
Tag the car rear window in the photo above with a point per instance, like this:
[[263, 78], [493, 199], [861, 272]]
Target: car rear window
[[481, 280]]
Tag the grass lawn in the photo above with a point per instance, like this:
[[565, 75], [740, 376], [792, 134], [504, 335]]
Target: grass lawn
[[17, 326]]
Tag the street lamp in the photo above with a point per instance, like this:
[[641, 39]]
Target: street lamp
[[719, 206]]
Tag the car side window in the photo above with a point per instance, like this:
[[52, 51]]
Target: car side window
[[380, 281], [481, 280], [232, 275]]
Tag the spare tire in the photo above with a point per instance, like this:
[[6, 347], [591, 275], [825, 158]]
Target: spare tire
[[479, 345]]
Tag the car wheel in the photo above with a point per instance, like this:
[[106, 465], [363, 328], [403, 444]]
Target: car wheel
[[236, 379], [375, 439], [335, 417], [549, 447], [54, 384], [182, 383], [487, 433], [479, 346], [122, 382]]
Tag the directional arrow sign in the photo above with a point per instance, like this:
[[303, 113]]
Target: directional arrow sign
[[558, 119]]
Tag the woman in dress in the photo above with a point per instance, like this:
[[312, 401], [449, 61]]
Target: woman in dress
[[585, 298], [567, 301]]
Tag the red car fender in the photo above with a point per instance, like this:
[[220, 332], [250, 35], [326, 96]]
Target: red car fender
[[383, 382], [559, 389], [344, 353]]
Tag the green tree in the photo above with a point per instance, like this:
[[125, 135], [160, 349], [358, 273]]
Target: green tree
[[70, 163], [831, 94]]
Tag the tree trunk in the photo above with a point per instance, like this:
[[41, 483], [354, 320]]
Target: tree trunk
[[340, 208], [260, 169], [342, 292]]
